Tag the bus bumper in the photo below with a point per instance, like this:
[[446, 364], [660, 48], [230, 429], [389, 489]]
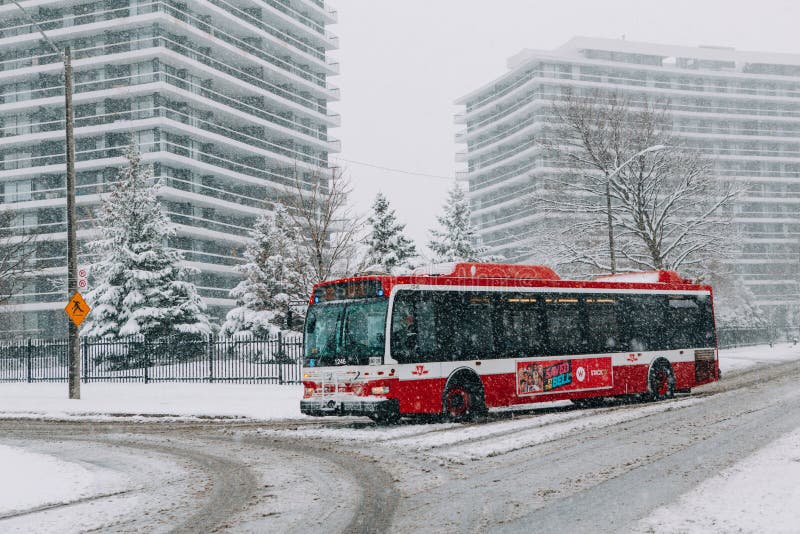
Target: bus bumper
[[369, 407]]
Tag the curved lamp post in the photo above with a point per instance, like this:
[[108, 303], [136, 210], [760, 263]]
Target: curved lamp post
[[609, 176]]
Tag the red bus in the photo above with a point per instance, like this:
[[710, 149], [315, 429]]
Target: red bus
[[459, 339]]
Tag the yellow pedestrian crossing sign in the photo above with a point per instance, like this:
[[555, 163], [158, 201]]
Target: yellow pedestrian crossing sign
[[77, 309]]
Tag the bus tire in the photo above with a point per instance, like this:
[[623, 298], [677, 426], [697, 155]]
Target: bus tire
[[660, 381], [463, 398]]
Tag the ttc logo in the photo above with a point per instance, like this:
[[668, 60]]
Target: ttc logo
[[580, 374], [420, 370]]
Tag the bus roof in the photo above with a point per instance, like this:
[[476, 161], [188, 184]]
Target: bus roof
[[517, 275]]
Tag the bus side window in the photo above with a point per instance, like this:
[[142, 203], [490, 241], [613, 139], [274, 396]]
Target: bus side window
[[518, 329], [416, 335], [429, 329], [475, 338], [686, 323], [404, 327], [705, 328], [642, 322], [602, 328], [566, 325]]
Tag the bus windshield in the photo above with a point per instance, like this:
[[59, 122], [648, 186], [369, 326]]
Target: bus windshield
[[345, 332]]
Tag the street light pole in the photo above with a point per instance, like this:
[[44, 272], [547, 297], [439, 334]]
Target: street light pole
[[73, 345], [613, 173]]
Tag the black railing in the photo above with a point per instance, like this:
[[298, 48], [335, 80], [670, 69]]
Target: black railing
[[729, 337], [276, 360]]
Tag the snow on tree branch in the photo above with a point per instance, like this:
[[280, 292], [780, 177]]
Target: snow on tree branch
[[319, 205], [667, 209], [17, 251]]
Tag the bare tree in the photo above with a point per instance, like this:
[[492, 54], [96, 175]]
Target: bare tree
[[624, 169], [16, 254], [319, 206]]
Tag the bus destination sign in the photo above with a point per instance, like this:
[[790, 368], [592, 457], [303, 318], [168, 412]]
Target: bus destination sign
[[357, 289]]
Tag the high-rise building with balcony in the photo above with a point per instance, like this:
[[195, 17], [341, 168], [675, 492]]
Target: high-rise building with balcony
[[227, 101], [741, 109]]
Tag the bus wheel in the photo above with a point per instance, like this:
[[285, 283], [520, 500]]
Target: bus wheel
[[457, 403], [661, 381]]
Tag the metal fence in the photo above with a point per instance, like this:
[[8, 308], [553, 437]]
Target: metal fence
[[276, 360], [741, 337]]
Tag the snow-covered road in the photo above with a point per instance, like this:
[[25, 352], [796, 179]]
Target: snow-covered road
[[722, 458]]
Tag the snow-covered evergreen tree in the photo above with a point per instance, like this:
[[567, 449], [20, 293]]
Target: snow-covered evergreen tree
[[274, 274], [388, 247], [455, 242], [141, 286]]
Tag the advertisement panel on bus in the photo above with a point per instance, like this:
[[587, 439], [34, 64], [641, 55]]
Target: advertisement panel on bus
[[539, 377]]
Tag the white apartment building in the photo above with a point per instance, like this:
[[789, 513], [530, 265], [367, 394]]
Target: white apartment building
[[226, 100], [742, 109]]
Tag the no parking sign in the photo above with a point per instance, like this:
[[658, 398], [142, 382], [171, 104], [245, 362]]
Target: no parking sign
[[83, 276]]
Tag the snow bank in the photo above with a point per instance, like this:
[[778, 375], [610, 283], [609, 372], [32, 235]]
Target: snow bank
[[741, 357], [144, 401], [22, 475], [754, 495]]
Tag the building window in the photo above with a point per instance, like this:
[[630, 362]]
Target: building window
[[19, 191]]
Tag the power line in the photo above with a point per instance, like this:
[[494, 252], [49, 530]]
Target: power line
[[390, 169]]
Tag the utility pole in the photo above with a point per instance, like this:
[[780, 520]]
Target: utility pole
[[74, 349], [73, 345]]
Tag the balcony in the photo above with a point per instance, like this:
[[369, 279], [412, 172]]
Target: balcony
[[201, 22], [333, 15]]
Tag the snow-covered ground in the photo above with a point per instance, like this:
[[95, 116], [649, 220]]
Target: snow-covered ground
[[103, 401], [755, 495], [23, 473], [752, 493]]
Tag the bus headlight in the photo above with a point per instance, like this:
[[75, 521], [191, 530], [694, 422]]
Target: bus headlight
[[380, 390], [309, 392]]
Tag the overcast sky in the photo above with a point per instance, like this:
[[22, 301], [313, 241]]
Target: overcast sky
[[404, 62]]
